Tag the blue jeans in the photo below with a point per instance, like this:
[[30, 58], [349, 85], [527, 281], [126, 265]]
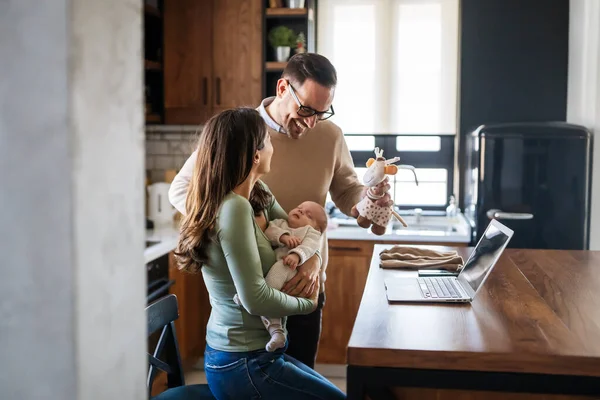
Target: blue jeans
[[263, 375]]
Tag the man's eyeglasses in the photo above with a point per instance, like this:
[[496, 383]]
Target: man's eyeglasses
[[308, 112]]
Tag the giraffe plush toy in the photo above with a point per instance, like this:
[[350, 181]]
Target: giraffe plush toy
[[370, 214]]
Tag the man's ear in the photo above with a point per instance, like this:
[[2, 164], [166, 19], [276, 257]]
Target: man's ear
[[370, 162], [282, 87], [391, 170]]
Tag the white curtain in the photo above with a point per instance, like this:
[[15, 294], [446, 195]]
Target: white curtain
[[397, 63]]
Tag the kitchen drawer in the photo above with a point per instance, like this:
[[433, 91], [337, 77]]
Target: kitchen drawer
[[351, 247]]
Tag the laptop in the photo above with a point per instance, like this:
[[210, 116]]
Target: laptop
[[455, 289]]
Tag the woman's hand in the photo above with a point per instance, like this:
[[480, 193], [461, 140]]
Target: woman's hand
[[306, 280]]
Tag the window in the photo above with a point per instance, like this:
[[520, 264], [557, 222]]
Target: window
[[432, 189], [430, 154], [397, 64], [418, 143]]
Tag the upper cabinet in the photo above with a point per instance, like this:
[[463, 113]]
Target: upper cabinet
[[213, 57], [188, 61], [237, 53]]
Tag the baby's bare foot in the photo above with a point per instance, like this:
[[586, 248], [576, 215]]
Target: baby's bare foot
[[277, 342]]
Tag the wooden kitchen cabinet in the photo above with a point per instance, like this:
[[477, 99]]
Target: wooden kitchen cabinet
[[347, 271], [213, 55], [237, 53], [194, 310], [188, 61]]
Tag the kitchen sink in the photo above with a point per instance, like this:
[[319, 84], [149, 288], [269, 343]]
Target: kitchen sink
[[426, 223], [421, 227], [430, 226]]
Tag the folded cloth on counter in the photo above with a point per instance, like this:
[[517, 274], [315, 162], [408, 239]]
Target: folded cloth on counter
[[419, 258]]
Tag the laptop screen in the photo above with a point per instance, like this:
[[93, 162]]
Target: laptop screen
[[486, 253]]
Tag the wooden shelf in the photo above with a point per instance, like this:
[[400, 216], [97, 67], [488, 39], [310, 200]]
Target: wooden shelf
[[151, 10], [152, 118], [155, 65], [275, 66], [286, 12]]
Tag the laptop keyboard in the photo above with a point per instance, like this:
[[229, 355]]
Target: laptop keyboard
[[442, 288]]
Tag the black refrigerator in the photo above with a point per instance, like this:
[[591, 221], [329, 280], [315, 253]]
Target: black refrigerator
[[532, 177]]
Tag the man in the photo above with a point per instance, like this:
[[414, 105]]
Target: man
[[310, 159]]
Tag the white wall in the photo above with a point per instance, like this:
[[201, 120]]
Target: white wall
[[72, 286], [583, 105]]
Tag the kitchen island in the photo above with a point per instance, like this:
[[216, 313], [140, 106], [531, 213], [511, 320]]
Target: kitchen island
[[533, 328]]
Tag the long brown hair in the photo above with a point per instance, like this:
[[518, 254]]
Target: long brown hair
[[226, 150]]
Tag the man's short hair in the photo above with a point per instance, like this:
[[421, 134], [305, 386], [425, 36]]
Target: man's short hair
[[303, 66]]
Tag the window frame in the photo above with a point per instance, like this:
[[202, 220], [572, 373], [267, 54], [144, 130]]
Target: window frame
[[444, 158]]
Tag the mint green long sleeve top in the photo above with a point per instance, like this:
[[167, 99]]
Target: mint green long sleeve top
[[237, 262]]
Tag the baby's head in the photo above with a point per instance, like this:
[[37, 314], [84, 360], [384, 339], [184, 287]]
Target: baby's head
[[308, 213]]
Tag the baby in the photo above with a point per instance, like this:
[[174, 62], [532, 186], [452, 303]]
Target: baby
[[298, 239]]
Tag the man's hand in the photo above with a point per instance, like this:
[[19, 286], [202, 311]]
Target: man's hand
[[385, 201], [314, 297], [306, 280], [290, 241], [292, 260]]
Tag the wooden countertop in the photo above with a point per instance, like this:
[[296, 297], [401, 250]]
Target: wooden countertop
[[538, 312]]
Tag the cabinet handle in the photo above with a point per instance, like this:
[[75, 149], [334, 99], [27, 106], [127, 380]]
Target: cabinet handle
[[219, 91], [499, 214], [205, 90], [341, 248]]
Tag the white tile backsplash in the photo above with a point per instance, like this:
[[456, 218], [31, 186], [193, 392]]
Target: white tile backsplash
[[168, 148]]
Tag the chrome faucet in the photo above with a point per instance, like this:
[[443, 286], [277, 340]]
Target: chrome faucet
[[418, 214], [410, 168]]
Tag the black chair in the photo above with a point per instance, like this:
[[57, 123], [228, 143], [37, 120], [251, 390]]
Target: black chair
[[162, 315]]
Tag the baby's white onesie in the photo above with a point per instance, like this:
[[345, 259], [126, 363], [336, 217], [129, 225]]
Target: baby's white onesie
[[280, 273]]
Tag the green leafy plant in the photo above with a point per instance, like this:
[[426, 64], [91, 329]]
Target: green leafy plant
[[282, 36]]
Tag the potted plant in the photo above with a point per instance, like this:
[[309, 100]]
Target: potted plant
[[282, 39]]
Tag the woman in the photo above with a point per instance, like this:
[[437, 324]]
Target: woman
[[228, 209]]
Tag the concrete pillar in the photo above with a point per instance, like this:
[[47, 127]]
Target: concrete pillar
[[72, 283]]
